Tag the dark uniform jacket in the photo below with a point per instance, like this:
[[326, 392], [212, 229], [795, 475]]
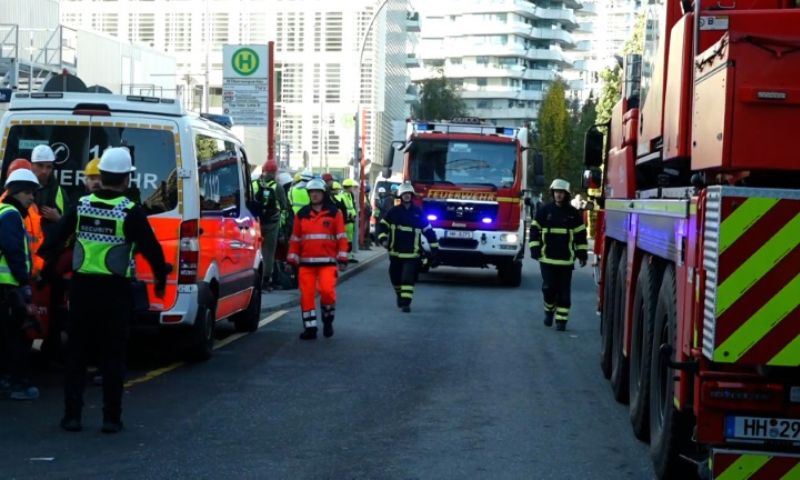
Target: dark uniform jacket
[[402, 227], [12, 241], [558, 235]]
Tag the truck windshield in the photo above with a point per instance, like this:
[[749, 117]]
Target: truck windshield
[[154, 184], [464, 163]]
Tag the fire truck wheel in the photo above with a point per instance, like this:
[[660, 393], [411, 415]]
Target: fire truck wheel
[[200, 340], [247, 320], [510, 274], [619, 364], [644, 310], [669, 429], [606, 322]]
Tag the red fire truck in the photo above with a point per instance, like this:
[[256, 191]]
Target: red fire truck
[[698, 240], [469, 177]]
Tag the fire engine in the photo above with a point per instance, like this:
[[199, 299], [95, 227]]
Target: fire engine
[[470, 177], [698, 240]]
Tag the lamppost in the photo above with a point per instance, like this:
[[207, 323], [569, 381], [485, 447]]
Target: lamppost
[[357, 154]]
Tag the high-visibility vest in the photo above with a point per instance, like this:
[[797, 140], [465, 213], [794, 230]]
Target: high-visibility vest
[[298, 197], [101, 247], [346, 199], [6, 277], [60, 200]]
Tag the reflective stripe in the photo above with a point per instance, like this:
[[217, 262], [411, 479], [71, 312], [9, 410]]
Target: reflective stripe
[[60, 200], [536, 224], [339, 236], [534, 243], [404, 255], [562, 310], [406, 295], [383, 235], [384, 222], [292, 256], [317, 259], [582, 247], [551, 261], [310, 314], [403, 228], [294, 238], [741, 219], [427, 228], [579, 229], [310, 323], [434, 245], [317, 236], [558, 231], [744, 467], [549, 307], [407, 288]]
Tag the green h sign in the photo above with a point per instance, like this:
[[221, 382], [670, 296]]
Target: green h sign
[[245, 61]]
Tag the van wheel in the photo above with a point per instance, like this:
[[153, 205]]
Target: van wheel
[[644, 310], [607, 316], [619, 364], [510, 274], [670, 429], [247, 320], [200, 342]]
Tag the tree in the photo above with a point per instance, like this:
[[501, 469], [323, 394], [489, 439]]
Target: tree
[[554, 131], [439, 100]]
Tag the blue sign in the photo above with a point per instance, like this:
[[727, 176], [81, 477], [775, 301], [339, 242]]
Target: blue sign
[[5, 95]]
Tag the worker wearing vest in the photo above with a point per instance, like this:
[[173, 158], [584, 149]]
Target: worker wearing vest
[[557, 239], [317, 244], [15, 289], [33, 221], [50, 198], [298, 196], [348, 200], [272, 200], [107, 226], [399, 231]]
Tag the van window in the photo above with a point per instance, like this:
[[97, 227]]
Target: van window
[[219, 176], [154, 184]]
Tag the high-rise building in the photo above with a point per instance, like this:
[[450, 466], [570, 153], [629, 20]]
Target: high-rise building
[[618, 19], [503, 54], [583, 77], [317, 46]]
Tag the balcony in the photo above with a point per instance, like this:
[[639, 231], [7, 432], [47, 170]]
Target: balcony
[[584, 46], [498, 71], [412, 61], [412, 22], [585, 27], [471, 27], [505, 113], [466, 50], [505, 94], [521, 7], [587, 9]]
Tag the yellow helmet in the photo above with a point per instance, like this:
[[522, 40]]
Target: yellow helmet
[[348, 182], [92, 168], [297, 177], [336, 186]]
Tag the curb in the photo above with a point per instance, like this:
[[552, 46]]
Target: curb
[[343, 276]]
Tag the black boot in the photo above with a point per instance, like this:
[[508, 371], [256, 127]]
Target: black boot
[[548, 319], [327, 328], [561, 325], [71, 424], [406, 308], [309, 333]]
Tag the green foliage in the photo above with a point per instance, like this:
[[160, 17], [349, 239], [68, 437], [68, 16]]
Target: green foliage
[[555, 133], [439, 100], [635, 44], [609, 94]]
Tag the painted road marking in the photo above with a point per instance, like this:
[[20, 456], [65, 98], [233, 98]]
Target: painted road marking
[[217, 345]]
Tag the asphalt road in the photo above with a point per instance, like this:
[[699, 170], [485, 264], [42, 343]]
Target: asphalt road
[[469, 385]]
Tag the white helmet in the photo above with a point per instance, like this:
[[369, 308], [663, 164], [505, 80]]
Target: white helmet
[[42, 154], [307, 174], [559, 184], [381, 190], [24, 177], [315, 184], [255, 175], [116, 160], [406, 187], [284, 178]]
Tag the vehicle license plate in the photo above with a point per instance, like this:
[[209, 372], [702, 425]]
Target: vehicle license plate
[[458, 234], [758, 428]]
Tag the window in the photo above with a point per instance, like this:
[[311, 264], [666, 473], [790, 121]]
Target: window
[[481, 81], [155, 182], [106, 22], [219, 176], [333, 31], [456, 61], [178, 32], [333, 82], [141, 29]]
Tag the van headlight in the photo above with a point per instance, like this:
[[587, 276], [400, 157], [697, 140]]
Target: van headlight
[[509, 238]]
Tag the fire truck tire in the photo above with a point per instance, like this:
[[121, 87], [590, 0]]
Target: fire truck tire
[[247, 320], [670, 431], [619, 364], [606, 323], [200, 340], [510, 274], [644, 311]]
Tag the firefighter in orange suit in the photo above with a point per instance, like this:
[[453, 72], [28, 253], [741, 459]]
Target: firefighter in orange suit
[[318, 243]]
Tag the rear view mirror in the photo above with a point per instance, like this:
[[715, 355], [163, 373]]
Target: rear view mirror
[[538, 170], [592, 178], [593, 148]]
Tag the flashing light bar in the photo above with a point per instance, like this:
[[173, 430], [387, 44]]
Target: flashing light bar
[[486, 220], [432, 218]]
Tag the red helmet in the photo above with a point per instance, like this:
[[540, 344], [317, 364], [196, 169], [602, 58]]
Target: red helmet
[[327, 177], [271, 166], [19, 164]]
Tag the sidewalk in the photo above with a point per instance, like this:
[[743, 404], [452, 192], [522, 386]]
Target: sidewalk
[[283, 299]]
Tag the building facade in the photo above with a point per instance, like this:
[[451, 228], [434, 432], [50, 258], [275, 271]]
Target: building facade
[[317, 45], [503, 54]]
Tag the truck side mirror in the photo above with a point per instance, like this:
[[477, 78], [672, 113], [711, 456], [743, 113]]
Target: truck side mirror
[[593, 148], [538, 170], [592, 178]]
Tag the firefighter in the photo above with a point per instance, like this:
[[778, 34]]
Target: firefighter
[[557, 238], [50, 198], [318, 243], [272, 201], [298, 196], [399, 231], [107, 225], [348, 201], [15, 289], [91, 176]]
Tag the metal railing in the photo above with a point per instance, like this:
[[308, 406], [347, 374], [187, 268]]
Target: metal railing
[[48, 51]]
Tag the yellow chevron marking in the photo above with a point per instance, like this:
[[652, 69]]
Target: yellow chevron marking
[[788, 357], [744, 467], [741, 219]]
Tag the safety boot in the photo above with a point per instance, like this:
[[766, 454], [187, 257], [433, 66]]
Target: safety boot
[[406, 308], [561, 325], [548, 319], [309, 333]]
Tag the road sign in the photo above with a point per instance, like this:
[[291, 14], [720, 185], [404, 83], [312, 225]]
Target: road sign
[[245, 84]]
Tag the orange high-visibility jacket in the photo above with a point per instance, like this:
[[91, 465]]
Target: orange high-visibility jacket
[[33, 225], [318, 238]]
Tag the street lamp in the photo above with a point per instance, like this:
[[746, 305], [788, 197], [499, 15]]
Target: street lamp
[[356, 154]]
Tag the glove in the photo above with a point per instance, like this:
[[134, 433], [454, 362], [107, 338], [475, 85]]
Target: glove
[[342, 266], [536, 253]]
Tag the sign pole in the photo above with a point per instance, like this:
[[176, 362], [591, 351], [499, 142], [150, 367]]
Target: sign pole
[[271, 102]]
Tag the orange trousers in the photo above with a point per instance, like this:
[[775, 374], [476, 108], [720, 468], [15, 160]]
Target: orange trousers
[[311, 280]]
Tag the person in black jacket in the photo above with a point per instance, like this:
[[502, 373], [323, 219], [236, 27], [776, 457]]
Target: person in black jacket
[[400, 231], [107, 225], [557, 238]]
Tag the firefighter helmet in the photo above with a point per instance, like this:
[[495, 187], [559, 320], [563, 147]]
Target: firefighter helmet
[[559, 184], [315, 184], [406, 187], [306, 174], [348, 182]]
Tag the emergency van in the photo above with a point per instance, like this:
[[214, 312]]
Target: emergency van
[[192, 179]]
